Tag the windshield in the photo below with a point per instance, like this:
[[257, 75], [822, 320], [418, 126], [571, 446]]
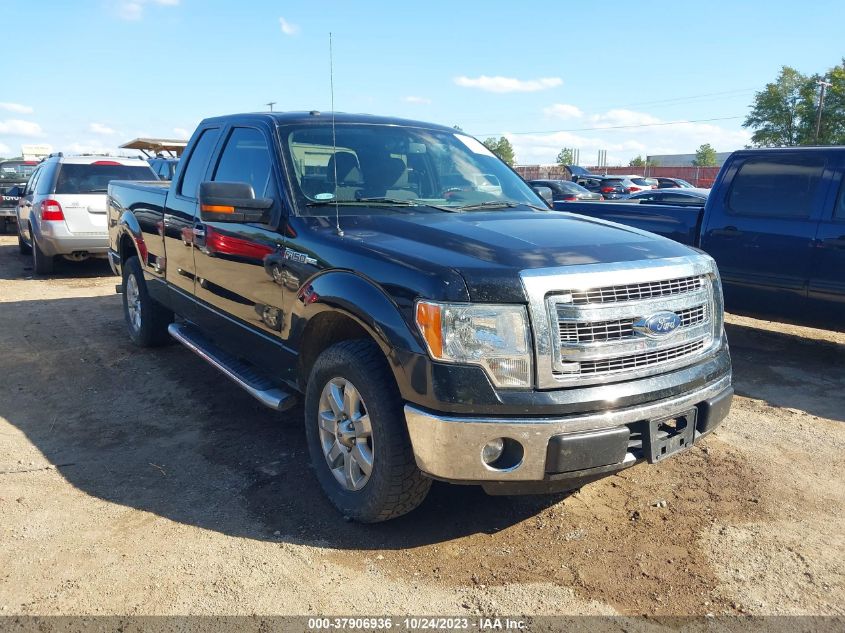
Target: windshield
[[17, 170], [391, 166]]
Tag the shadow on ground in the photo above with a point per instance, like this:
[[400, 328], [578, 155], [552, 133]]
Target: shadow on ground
[[789, 370]]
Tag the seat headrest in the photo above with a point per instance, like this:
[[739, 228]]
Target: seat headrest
[[346, 164]]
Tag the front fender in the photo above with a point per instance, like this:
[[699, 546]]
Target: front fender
[[362, 300]]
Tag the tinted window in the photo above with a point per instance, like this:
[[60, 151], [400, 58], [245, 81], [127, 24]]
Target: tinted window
[[95, 177], [197, 164], [33, 181], [46, 177], [839, 212], [246, 158], [776, 187]]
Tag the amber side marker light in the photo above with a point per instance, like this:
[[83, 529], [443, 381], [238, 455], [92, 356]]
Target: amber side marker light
[[216, 208], [429, 322]]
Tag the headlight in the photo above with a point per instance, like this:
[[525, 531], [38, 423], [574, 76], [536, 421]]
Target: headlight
[[494, 337]]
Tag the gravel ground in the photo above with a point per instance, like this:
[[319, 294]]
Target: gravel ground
[[142, 482]]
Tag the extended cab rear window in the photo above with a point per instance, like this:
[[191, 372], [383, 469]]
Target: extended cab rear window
[[95, 178], [783, 186]]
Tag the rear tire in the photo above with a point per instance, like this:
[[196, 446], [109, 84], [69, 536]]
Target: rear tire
[[23, 247], [394, 485], [146, 319], [42, 264]]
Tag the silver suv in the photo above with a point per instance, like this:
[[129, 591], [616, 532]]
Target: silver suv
[[63, 208]]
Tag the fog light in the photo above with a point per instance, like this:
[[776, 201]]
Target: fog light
[[493, 450]]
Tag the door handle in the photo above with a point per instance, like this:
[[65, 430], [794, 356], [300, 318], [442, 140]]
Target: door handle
[[199, 235], [834, 242], [728, 231]]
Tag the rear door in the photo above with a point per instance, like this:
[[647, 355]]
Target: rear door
[[761, 229], [827, 277], [81, 190], [181, 210]]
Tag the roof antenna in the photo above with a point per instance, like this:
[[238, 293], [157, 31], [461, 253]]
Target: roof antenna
[[338, 230]]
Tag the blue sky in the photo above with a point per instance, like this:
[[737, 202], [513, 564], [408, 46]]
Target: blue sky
[[93, 74]]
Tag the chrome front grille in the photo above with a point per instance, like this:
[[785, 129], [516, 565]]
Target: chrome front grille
[[636, 361], [638, 291], [593, 331], [591, 321]]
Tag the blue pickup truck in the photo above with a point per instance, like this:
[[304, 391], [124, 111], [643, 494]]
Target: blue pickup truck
[[775, 224]]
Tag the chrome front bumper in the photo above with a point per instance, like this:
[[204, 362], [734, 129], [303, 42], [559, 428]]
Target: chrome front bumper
[[449, 448]]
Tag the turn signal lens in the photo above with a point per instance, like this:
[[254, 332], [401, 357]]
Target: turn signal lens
[[431, 326]]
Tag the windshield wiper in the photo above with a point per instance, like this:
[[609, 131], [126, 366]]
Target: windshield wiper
[[394, 202], [499, 204]]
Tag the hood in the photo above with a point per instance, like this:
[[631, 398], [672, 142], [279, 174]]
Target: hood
[[489, 249]]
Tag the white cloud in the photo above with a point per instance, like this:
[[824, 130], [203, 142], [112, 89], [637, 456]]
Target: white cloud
[[134, 9], [419, 100], [99, 128], [18, 127], [563, 111], [17, 108], [622, 144], [181, 132], [508, 84], [288, 28]]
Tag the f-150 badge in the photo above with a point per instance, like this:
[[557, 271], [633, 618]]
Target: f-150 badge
[[302, 258]]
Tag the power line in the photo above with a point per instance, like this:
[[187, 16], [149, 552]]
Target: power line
[[620, 127]]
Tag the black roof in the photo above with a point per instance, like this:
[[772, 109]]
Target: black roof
[[317, 117]]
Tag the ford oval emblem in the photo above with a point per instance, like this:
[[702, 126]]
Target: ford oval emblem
[[660, 324]]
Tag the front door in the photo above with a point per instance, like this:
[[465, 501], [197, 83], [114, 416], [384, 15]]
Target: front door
[[761, 232], [235, 261]]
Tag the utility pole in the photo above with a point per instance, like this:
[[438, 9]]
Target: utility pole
[[823, 86], [270, 104]]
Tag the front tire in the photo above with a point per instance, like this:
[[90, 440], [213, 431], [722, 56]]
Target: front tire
[[42, 264], [356, 434], [146, 319]]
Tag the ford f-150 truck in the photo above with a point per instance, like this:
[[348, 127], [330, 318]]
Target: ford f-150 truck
[[775, 224], [436, 327]]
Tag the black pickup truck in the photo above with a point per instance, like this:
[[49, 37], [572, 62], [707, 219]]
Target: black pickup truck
[[438, 318], [13, 177], [775, 224]]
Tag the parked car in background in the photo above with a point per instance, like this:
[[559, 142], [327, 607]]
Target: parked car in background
[[63, 208], [640, 183], [614, 187], [164, 166], [673, 196], [670, 183], [13, 177], [774, 223], [566, 191], [576, 172], [433, 332]]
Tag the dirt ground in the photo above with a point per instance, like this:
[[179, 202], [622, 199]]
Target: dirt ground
[[142, 482]]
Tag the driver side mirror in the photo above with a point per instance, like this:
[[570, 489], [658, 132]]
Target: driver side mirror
[[232, 202], [545, 193]]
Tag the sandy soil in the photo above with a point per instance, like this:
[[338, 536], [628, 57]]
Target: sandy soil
[[142, 482]]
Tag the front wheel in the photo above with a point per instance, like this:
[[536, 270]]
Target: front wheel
[[356, 433], [146, 319]]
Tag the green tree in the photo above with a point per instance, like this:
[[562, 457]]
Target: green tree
[[705, 156], [637, 161], [501, 148], [565, 157]]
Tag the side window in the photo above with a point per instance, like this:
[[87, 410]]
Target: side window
[[33, 181], [246, 158], [781, 187], [197, 163], [46, 179]]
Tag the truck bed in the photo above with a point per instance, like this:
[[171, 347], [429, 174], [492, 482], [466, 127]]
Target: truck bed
[[679, 223]]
